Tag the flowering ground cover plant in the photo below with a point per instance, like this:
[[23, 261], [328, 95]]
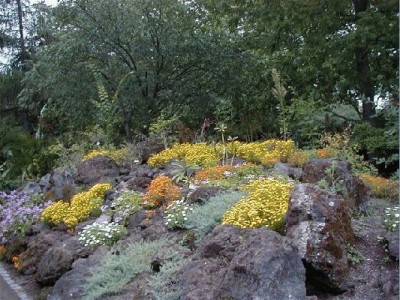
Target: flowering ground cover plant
[[392, 218], [117, 155], [17, 212], [81, 207], [125, 205], [265, 205], [176, 214], [161, 191], [199, 154], [382, 187], [267, 152], [101, 234], [213, 173]]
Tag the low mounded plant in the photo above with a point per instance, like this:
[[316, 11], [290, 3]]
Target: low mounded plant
[[98, 234], [199, 154], [267, 152], [117, 270], [161, 191], [298, 158], [392, 218], [382, 187], [17, 212], [176, 214], [213, 173], [81, 206], [204, 218], [266, 205], [125, 205]]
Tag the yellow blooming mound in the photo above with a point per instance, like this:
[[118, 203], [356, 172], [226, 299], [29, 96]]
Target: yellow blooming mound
[[266, 205], [298, 159], [81, 207], [194, 154], [213, 173], [161, 191], [117, 155], [268, 152], [382, 187]]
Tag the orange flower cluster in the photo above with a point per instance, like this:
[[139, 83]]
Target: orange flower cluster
[[382, 187], [2, 251], [161, 191], [213, 173], [15, 261], [325, 153]]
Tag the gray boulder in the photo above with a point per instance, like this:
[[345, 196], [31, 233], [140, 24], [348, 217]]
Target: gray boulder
[[58, 259], [97, 169], [392, 241], [69, 286], [319, 224], [149, 147], [37, 247], [349, 186], [236, 263], [59, 184]]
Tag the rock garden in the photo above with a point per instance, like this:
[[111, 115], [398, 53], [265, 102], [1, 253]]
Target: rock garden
[[232, 220]]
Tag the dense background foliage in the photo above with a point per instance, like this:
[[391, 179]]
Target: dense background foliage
[[92, 72]]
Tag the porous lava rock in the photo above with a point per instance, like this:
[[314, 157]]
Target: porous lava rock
[[37, 247], [235, 263], [97, 169], [58, 259], [319, 224], [149, 147], [59, 184], [353, 189]]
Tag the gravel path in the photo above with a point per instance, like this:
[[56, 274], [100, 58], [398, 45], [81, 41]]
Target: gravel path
[[9, 289]]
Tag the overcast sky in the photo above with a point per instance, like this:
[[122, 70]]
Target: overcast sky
[[48, 2]]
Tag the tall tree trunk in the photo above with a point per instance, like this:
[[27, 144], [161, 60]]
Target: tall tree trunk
[[23, 58], [363, 70], [24, 54]]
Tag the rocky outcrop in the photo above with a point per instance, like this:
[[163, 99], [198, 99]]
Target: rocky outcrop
[[59, 184], [337, 173], [69, 286], [319, 224], [58, 259], [37, 247], [392, 241], [139, 178], [236, 263], [97, 169], [149, 147], [287, 170]]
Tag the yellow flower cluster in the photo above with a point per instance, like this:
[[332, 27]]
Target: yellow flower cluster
[[382, 187], [161, 191], [268, 152], [81, 207], [266, 205], [117, 155], [298, 159], [199, 154]]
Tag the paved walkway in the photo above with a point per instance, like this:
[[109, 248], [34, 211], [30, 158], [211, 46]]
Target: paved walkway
[[9, 290]]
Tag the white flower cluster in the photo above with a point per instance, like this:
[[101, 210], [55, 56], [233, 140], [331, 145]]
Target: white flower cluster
[[392, 216], [98, 234], [176, 214]]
